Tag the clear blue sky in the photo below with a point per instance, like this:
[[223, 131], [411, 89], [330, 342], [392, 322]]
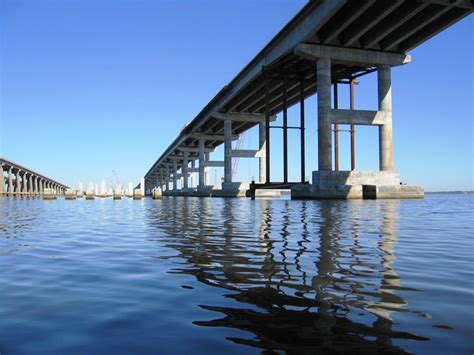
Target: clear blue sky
[[91, 86]]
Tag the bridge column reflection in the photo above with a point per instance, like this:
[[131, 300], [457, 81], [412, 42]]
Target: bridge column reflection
[[303, 276]]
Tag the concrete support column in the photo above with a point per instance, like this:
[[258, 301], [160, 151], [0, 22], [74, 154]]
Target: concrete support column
[[24, 181], [142, 186], [31, 189], [207, 157], [167, 182], [384, 76], [175, 175], [184, 170], [36, 191], [18, 182], [202, 168], [10, 181], [41, 186], [227, 151], [262, 159], [324, 107], [2, 181], [193, 174]]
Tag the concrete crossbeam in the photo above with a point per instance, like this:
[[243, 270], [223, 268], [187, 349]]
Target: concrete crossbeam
[[213, 137], [194, 150], [241, 117], [214, 164], [351, 56], [466, 4], [358, 117], [244, 153], [173, 157]]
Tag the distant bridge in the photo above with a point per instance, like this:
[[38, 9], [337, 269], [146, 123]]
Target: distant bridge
[[329, 42], [17, 180]]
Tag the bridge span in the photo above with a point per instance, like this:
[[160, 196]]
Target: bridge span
[[16, 180], [327, 44]]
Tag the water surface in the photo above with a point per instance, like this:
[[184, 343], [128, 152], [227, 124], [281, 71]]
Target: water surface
[[201, 275]]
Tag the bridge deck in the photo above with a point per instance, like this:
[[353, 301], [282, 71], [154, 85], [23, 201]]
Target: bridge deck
[[392, 26]]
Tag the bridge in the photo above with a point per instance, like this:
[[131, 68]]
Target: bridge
[[16, 180], [327, 44]]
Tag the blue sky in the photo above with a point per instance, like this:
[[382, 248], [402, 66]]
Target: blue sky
[[94, 86]]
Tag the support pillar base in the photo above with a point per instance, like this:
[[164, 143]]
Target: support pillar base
[[356, 185]]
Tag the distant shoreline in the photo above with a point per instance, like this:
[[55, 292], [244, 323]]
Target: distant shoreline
[[450, 193]]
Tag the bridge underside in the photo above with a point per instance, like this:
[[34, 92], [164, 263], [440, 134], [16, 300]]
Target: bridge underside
[[16, 180], [327, 44]]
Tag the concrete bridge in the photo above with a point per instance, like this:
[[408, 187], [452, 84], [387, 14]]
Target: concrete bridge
[[16, 180], [327, 44]]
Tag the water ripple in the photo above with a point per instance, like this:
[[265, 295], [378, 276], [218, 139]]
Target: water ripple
[[233, 275]]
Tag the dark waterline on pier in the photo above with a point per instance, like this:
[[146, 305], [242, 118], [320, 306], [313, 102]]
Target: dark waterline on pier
[[190, 275]]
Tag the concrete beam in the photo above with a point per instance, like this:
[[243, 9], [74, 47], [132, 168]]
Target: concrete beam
[[214, 163], [194, 150], [241, 117], [173, 157], [244, 153], [212, 137], [358, 117], [351, 56]]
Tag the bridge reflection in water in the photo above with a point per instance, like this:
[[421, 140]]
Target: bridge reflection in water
[[304, 275]]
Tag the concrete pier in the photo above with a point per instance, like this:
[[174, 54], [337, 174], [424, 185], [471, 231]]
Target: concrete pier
[[70, 194], [90, 194], [157, 193], [49, 194], [118, 193], [138, 194]]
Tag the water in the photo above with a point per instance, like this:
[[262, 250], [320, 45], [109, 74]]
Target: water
[[190, 275]]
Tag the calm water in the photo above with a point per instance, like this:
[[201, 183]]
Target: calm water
[[190, 275]]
